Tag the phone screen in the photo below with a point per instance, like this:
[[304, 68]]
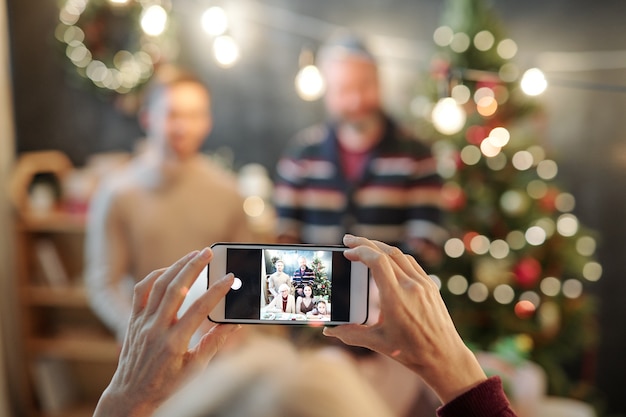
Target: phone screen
[[273, 280]]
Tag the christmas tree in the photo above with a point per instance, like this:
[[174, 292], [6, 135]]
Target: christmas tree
[[518, 262], [321, 283]]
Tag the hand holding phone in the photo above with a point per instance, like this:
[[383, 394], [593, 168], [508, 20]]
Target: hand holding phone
[[289, 284]]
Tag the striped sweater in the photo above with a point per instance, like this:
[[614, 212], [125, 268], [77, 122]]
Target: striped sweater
[[396, 199]]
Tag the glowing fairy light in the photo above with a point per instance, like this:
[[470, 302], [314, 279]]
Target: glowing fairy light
[[153, 20], [448, 117], [533, 82], [309, 83]]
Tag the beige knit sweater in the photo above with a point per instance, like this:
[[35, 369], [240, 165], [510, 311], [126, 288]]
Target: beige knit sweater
[[149, 215]]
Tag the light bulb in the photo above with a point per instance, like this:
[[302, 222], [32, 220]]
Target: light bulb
[[448, 117]]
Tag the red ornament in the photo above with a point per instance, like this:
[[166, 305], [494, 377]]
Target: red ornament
[[467, 240], [527, 272], [548, 201], [475, 134], [524, 309]]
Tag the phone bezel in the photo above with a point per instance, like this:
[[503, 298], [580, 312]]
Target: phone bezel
[[359, 284]]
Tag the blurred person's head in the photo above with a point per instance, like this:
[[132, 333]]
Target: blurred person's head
[[283, 290], [307, 290], [279, 266], [177, 113], [352, 85], [302, 261], [249, 382], [321, 307]]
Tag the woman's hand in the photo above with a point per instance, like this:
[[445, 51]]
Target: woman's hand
[[414, 326], [155, 359]]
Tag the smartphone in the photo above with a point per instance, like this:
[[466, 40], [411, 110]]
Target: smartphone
[[289, 284]]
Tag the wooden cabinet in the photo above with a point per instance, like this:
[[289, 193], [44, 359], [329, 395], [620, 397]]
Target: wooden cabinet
[[69, 356]]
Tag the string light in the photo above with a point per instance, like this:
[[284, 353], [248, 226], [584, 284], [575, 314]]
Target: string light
[[120, 71], [448, 117], [214, 21], [504, 294], [454, 248], [484, 40], [567, 225], [586, 245], [457, 284], [153, 20], [550, 286], [533, 82], [572, 288], [226, 51], [309, 82]]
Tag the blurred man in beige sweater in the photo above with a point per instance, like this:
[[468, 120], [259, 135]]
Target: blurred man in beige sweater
[[169, 200]]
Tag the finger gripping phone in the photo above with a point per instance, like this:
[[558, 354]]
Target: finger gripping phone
[[289, 284]]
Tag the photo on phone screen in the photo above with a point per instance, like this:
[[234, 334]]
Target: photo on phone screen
[[300, 285]]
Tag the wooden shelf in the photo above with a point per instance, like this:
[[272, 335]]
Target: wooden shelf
[[57, 222], [38, 295], [75, 411], [77, 348]]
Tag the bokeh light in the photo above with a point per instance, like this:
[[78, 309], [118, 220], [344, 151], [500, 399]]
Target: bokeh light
[[153, 20], [522, 160], [538, 153], [535, 236], [514, 202], [586, 245], [565, 202], [484, 40], [531, 296], [483, 92], [309, 83], [487, 106], [454, 248], [547, 224], [460, 93], [488, 149], [460, 42], [504, 294], [537, 189], [499, 136], [448, 117], [214, 21], [470, 155], [457, 284], [507, 48], [499, 249], [497, 162], [509, 72], [436, 280], [567, 225], [479, 244], [592, 271], [572, 288], [226, 51], [524, 309], [516, 239], [550, 286], [533, 82], [547, 169], [443, 35], [478, 292]]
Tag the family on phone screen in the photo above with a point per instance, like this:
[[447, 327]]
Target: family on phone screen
[[294, 294]]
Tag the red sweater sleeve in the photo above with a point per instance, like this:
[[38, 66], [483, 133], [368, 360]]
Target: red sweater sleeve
[[484, 400]]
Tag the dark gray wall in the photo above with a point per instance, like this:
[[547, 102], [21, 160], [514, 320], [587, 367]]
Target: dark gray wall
[[256, 110]]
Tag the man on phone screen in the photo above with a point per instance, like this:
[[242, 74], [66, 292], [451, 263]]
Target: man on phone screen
[[302, 276]]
